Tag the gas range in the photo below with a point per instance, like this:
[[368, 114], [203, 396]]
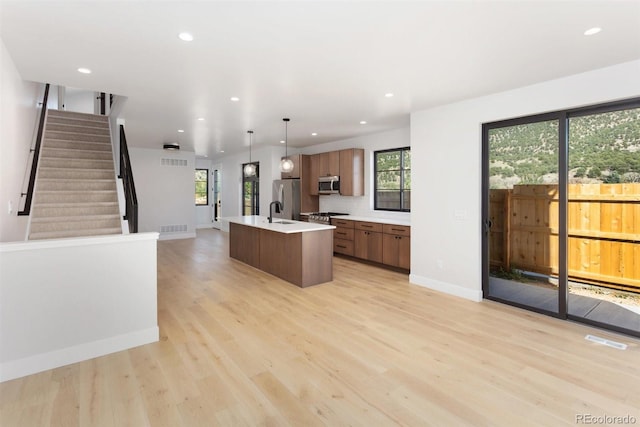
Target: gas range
[[323, 217]]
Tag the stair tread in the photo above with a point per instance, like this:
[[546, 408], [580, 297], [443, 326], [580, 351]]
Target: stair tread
[[74, 150], [77, 179], [74, 204], [74, 233], [46, 139], [65, 113], [76, 218]]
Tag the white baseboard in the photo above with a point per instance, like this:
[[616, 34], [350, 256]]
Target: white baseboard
[[447, 288], [209, 225], [77, 353], [175, 236]]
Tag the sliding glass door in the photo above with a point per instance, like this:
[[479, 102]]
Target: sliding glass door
[[523, 217], [603, 217], [561, 210]]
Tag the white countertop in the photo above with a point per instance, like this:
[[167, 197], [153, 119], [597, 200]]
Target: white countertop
[[263, 222], [374, 219]]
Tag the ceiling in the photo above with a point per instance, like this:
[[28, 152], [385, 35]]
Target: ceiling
[[325, 64]]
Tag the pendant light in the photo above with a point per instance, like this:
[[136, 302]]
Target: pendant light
[[286, 164], [250, 168]]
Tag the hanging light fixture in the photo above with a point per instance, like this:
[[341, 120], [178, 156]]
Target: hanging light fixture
[[250, 168], [286, 164]]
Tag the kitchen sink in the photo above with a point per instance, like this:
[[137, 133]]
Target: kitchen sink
[[283, 222]]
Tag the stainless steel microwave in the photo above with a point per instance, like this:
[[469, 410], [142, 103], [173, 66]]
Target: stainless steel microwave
[[329, 185]]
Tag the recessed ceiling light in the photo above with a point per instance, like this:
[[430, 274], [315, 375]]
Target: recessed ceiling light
[[363, 122], [235, 99], [201, 119], [281, 142], [222, 151], [187, 37], [592, 31], [84, 70], [314, 134], [388, 95], [181, 130]]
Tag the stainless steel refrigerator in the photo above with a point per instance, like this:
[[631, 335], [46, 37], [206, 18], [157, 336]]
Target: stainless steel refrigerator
[[287, 192]]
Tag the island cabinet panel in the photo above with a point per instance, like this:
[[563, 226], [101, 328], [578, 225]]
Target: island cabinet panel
[[280, 255], [299, 258], [245, 245]]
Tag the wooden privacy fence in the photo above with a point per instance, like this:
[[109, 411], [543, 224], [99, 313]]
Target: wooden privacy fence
[[603, 222]]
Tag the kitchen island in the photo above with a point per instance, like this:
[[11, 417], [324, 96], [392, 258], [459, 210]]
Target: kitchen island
[[298, 252]]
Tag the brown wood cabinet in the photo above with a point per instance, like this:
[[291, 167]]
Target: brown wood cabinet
[[368, 241], [297, 167], [329, 164], [352, 172], [343, 236], [314, 173], [245, 245], [396, 246]]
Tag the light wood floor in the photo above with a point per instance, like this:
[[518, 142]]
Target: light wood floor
[[239, 347]]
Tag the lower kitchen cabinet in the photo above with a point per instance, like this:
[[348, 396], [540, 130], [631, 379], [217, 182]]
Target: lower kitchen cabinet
[[396, 251], [367, 243]]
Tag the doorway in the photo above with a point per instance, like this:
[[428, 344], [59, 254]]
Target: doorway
[[561, 207]]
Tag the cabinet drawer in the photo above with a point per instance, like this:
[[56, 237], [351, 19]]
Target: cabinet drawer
[[368, 226], [341, 223], [343, 233], [399, 230], [343, 246]]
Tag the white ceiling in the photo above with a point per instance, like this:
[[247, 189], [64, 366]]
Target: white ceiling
[[326, 65]]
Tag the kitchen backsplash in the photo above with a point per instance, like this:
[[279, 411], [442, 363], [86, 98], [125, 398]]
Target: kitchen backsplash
[[357, 206]]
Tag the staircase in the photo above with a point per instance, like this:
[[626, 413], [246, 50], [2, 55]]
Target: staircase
[[75, 192]]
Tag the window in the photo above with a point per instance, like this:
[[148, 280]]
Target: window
[[251, 191], [392, 186], [202, 187]]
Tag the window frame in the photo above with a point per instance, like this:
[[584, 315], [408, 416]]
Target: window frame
[[206, 184], [402, 169], [255, 189]]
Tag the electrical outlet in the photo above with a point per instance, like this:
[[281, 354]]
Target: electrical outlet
[[10, 207], [440, 264]]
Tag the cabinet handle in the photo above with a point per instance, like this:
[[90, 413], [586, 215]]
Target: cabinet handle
[[397, 229], [341, 247], [342, 234], [367, 226]]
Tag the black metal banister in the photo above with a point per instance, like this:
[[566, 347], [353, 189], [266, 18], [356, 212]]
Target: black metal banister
[[131, 199], [36, 155]]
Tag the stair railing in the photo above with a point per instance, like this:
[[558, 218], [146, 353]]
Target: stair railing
[[36, 155], [131, 199]]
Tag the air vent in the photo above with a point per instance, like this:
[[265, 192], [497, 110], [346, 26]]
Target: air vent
[[603, 341], [182, 228], [174, 162]]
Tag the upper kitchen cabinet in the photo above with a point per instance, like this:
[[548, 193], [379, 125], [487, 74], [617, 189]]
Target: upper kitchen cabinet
[[297, 167], [352, 172], [314, 173], [329, 164]]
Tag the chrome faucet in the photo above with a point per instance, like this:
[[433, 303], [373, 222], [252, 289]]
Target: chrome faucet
[[278, 208]]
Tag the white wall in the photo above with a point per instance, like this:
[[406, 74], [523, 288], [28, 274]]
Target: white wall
[[165, 193], [18, 125], [231, 177], [204, 214], [80, 100], [68, 300], [446, 143], [363, 205]]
